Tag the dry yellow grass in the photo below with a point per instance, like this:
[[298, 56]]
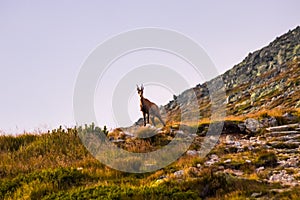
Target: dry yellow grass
[[139, 146], [276, 112]]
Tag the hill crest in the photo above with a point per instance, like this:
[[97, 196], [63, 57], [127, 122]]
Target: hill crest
[[268, 78]]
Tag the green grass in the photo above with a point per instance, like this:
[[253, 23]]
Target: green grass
[[56, 165]]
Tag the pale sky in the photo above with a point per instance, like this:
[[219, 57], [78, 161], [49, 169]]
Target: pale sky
[[43, 45]]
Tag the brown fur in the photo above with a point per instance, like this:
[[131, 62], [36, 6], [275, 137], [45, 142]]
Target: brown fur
[[148, 108]]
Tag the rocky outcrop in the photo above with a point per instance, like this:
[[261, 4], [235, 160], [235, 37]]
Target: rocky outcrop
[[266, 78], [272, 155]]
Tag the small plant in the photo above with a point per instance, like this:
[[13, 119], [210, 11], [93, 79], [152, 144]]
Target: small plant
[[266, 159], [105, 131]]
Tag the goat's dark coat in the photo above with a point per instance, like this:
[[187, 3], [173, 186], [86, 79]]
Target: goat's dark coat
[[148, 108]]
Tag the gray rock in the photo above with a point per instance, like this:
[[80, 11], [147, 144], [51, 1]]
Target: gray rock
[[242, 127], [179, 132], [213, 159], [118, 141], [179, 174], [128, 134], [237, 144], [233, 171], [269, 122], [283, 127], [282, 177], [221, 167], [259, 169], [290, 118], [250, 148], [192, 153], [229, 139], [255, 195], [253, 125], [291, 162]]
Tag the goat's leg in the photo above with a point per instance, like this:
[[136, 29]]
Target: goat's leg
[[160, 119], [144, 115], [148, 115], [152, 120]]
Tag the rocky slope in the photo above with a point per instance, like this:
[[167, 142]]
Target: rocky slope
[[257, 146], [267, 78]]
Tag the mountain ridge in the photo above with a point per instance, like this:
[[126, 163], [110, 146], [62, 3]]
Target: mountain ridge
[[245, 83]]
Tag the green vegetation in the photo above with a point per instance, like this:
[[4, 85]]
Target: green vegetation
[[56, 165], [267, 159]]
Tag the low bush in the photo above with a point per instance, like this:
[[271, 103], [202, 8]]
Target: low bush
[[266, 159]]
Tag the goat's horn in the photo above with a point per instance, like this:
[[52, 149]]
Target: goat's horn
[[142, 87]]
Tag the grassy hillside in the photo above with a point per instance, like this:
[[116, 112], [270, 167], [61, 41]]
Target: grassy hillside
[[55, 165]]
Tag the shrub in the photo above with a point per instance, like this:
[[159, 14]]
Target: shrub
[[12, 143], [266, 159]]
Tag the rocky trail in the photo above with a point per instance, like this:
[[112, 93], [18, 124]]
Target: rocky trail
[[270, 153], [280, 166], [285, 141]]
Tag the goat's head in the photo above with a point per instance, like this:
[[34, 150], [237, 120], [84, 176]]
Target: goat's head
[[140, 90]]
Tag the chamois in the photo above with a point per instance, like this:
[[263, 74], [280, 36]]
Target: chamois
[[148, 108]]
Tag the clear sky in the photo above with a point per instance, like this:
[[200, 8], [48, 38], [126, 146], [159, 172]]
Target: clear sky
[[44, 43]]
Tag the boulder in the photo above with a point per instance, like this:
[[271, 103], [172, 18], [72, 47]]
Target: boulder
[[229, 139], [290, 118], [253, 125], [269, 122]]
